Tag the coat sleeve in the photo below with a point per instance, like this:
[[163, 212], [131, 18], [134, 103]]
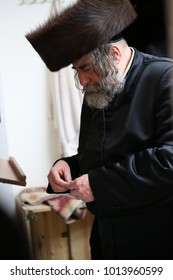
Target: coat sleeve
[[145, 177]]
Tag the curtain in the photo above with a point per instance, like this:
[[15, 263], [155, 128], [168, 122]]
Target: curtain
[[66, 100]]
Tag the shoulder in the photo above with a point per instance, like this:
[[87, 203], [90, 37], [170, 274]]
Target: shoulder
[[154, 66], [156, 62]]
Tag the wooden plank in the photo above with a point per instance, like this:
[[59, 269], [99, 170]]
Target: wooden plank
[[11, 173], [17, 169], [49, 237], [46, 232], [25, 208], [79, 234], [36, 208]]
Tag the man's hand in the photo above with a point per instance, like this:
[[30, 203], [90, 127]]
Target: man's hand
[[60, 176], [80, 188]]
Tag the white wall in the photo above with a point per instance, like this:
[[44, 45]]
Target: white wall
[[31, 138], [6, 193]]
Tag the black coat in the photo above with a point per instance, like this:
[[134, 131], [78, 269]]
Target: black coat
[[127, 150]]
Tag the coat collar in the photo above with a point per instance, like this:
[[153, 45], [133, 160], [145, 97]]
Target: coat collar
[[132, 76], [134, 71]]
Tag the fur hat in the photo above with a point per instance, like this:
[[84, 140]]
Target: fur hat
[[80, 29]]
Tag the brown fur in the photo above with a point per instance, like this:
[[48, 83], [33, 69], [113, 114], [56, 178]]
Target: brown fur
[[80, 29]]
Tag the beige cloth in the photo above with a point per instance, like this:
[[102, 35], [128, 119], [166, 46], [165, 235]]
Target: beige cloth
[[69, 208]]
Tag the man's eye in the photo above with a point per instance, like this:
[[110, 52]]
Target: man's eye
[[88, 68]]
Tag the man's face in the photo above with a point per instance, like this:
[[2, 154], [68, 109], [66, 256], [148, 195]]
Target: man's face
[[98, 90], [85, 71]]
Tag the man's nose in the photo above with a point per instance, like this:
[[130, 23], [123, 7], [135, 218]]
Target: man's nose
[[83, 79]]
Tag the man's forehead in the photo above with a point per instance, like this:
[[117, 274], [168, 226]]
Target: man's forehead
[[84, 60]]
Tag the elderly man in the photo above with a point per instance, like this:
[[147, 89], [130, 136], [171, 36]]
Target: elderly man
[[124, 166]]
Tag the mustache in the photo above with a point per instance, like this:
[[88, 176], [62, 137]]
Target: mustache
[[92, 89]]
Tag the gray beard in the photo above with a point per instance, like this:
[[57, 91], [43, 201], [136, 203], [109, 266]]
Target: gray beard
[[99, 96]]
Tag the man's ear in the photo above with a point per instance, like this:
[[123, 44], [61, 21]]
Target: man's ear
[[115, 52]]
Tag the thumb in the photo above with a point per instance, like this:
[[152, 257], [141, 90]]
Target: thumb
[[67, 177]]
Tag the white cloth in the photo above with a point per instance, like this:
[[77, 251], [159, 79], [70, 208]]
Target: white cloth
[[59, 5], [66, 99]]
